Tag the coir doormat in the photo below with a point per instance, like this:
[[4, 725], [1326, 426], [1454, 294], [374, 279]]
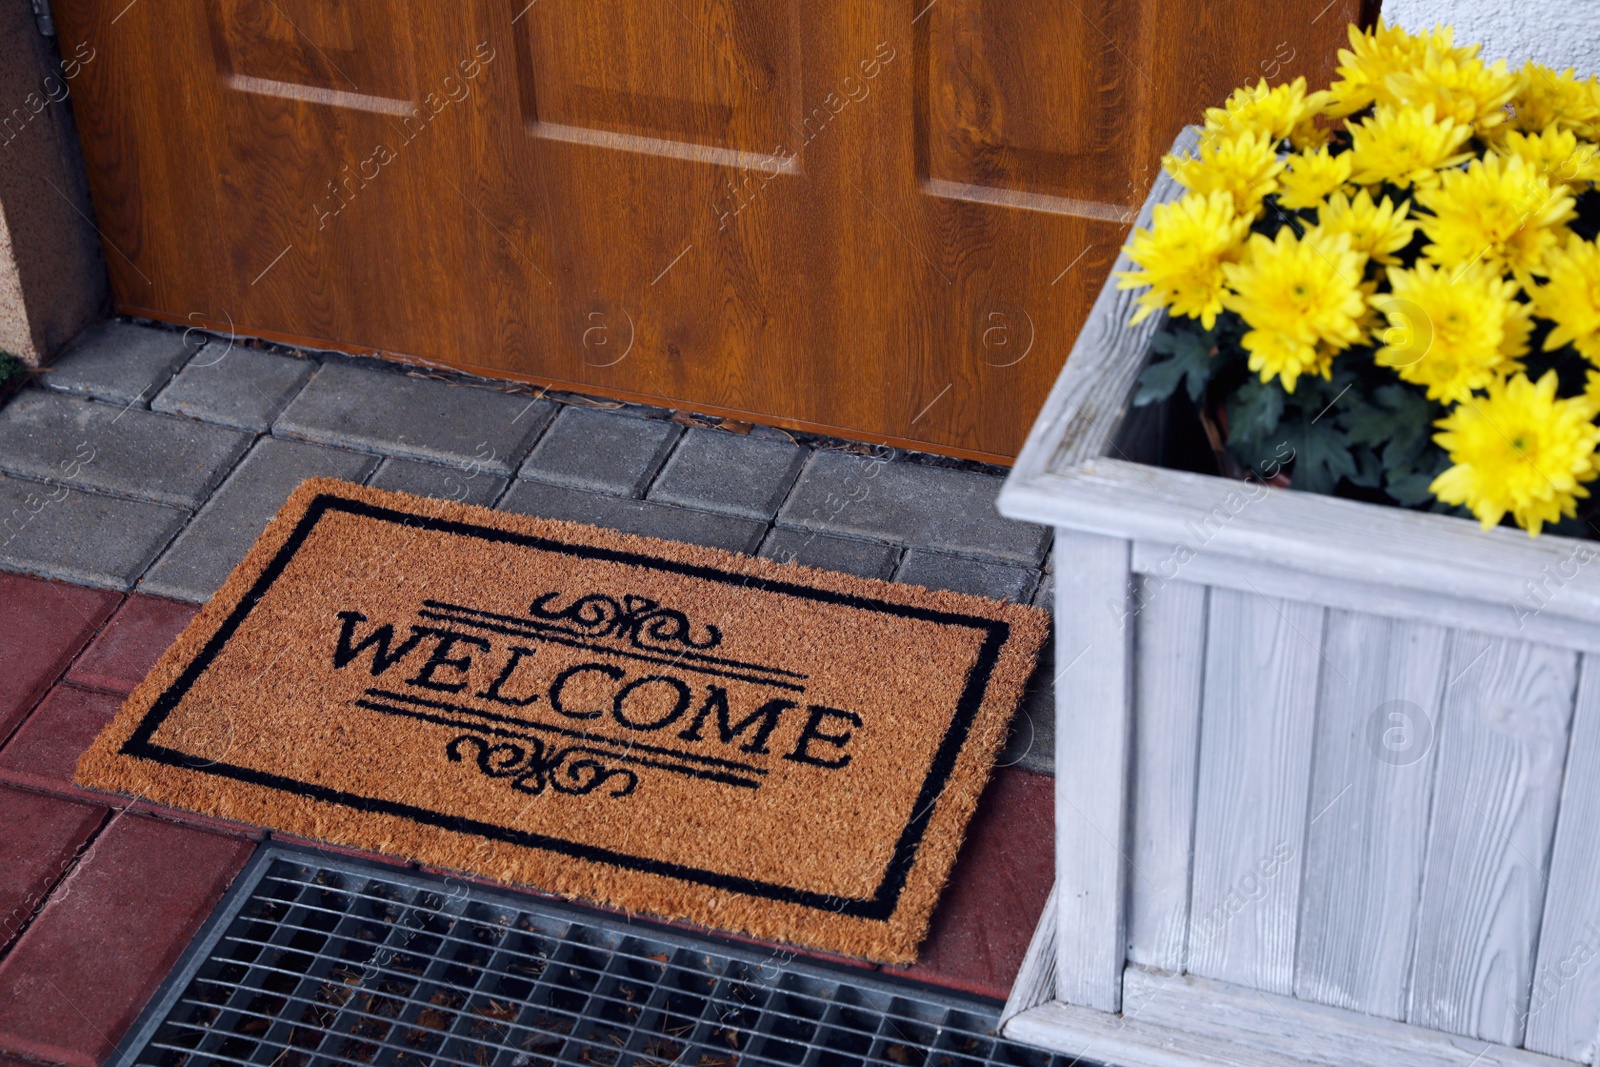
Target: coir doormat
[[773, 749]]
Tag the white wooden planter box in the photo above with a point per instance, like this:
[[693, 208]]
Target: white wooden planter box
[[1327, 773]]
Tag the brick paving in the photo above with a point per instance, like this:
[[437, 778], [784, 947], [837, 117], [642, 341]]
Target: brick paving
[[57, 621], [377, 411], [241, 388], [89, 538], [40, 837], [119, 451], [84, 968], [609, 452], [121, 362], [98, 909]]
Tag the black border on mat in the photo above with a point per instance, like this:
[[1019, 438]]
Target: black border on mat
[[880, 905]]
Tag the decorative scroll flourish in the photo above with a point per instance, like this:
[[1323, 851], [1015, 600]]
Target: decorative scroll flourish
[[532, 765], [642, 621]]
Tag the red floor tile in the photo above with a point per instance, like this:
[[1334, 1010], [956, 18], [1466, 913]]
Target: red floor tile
[[44, 752], [997, 891], [39, 835], [49, 622], [129, 645], [80, 974], [179, 815]]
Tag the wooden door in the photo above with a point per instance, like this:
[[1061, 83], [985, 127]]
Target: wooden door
[[883, 219]]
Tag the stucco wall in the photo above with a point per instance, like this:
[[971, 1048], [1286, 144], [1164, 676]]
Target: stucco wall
[[52, 280], [1560, 33]]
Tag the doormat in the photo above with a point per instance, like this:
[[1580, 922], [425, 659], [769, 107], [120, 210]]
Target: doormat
[[655, 726]]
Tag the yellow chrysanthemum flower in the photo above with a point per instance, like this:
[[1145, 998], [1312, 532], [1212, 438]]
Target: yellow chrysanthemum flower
[[1302, 300], [1182, 256], [1500, 210], [1555, 153], [1378, 231], [1470, 91], [1547, 99], [1447, 330], [1520, 449], [1571, 297], [1311, 177], [1245, 166], [1273, 113], [1519, 331], [1365, 67], [1311, 134], [1406, 146]]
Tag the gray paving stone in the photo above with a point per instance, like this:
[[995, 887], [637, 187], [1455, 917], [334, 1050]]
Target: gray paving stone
[[211, 545], [916, 505], [396, 414], [114, 449], [1045, 596], [866, 559], [60, 532], [120, 362], [998, 581], [466, 485], [1031, 744], [601, 451], [738, 475], [634, 516], [234, 386]]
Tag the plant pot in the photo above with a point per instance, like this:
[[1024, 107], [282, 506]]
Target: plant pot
[[1328, 773]]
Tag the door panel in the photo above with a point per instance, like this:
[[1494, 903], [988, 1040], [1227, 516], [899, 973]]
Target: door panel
[[336, 54], [880, 219], [662, 78], [1037, 106]]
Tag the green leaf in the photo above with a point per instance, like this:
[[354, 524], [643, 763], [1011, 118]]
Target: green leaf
[[1321, 455], [1397, 419], [1408, 483], [1369, 471], [1254, 411], [1188, 360], [1409, 488]]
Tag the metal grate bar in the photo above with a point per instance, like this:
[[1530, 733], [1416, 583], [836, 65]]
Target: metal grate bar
[[313, 961]]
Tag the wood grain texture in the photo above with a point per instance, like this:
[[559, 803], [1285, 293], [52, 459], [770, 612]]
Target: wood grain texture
[[872, 218], [1563, 1013], [1035, 983], [1269, 1030], [1370, 787], [1256, 725], [1169, 662], [1502, 738], [1514, 619], [1094, 708], [1090, 397], [1323, 536]]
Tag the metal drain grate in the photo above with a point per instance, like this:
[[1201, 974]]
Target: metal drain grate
[[311, 960]]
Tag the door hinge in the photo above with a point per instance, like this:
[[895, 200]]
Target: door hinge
[[42, 19]]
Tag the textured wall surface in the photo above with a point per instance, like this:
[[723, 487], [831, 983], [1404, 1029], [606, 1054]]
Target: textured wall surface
[[1561, 33], [52, 279]]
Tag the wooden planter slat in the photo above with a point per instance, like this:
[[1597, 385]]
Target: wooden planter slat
[[1094, 654], [1564, 1005], [1250, 808], [1168, 673], [1502, 739], [1366, 835], [1253, 865]]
